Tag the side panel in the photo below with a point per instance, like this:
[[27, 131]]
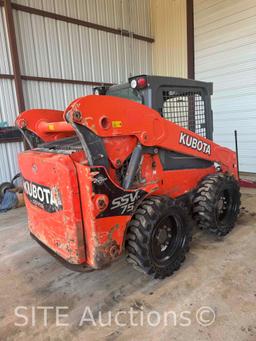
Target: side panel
[[179, 182], [104, 228], [173, 183], [53, 203]]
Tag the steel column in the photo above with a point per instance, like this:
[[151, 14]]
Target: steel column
[[14, 55]]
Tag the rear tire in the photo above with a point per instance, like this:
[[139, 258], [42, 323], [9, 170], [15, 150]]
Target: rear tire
[[158, 236], [217, 203]]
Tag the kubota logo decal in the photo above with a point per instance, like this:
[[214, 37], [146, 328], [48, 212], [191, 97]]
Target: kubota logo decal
[[125, 202], [44, 197], [194, 143]]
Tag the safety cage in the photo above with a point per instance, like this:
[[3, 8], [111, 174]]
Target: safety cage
[[185, 108]]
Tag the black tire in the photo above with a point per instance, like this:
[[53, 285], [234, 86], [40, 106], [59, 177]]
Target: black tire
[[17, 176], [217, 203], [158, 236], [3, 187]]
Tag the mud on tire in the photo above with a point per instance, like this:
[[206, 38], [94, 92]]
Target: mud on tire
[[158, 236], [217, 203]]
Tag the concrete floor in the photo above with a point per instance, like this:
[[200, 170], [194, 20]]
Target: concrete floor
[[219, 274]]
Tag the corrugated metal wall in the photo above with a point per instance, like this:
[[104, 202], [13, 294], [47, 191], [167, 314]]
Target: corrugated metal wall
[[56, 49], [169, 26], [8, 107], [225, 53], [51, 48]]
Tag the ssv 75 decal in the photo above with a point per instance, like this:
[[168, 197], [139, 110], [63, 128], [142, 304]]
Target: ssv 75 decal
[[125, 202], [194, 143]]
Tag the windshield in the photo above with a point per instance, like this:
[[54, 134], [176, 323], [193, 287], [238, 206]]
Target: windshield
[[127, 92]]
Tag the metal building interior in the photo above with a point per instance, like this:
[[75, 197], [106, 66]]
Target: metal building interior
[[55, 51]]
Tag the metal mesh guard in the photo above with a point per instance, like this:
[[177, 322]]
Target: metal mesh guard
[[186, 109]]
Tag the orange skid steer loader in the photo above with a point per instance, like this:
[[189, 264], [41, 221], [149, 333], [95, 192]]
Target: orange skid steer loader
[[126, 169]]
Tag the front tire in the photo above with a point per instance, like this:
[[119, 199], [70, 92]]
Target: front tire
[[158, 236], [217, 203]]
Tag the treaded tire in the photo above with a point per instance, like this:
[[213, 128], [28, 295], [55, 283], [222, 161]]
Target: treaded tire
[[206, 211], [4, 187], [155, 216]]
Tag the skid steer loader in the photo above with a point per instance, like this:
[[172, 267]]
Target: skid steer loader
[[126, 169]]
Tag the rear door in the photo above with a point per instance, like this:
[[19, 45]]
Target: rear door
[[53, 203]]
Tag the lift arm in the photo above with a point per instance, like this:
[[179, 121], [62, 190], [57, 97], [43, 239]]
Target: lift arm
[[108, 116]]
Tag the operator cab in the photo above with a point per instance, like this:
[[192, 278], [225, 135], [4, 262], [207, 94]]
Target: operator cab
[[185, 102]]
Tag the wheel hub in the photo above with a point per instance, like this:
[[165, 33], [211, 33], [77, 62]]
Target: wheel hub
[[165, 238], [222, 205], [162, 236]]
